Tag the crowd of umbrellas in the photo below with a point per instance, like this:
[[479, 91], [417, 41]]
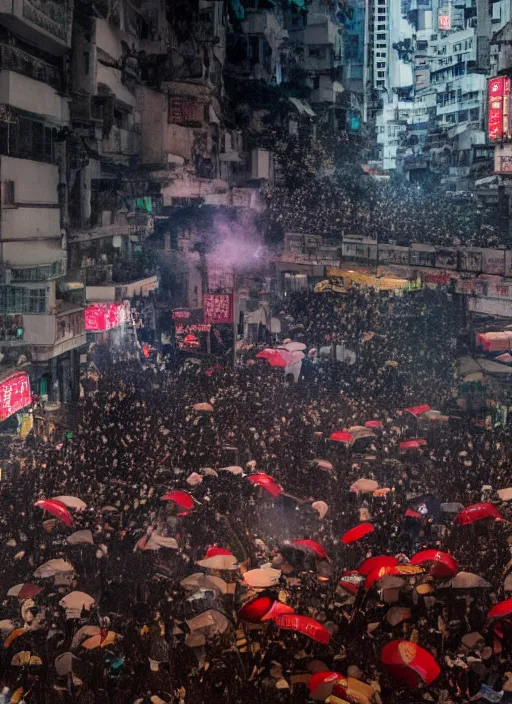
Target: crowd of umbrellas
[[213, 533]]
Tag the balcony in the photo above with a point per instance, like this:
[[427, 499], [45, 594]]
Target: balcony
[[121, 141], [40, 272], [14, 59], [44, 23], [118, 292]]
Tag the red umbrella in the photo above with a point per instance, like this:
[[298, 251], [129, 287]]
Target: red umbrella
[[273, 358], [342, 436], [182, 498], [351, 581], [412, 444], [501, 610], [56, 509], [255, 609], [276, 610], [267, 482], [312, 545], [373, 424], [396, 571], [477, 512], [357, 533], [409, 663], [418, 410], [326, 684], [375, 563], [305, 625], [213, 552], [442, 564]]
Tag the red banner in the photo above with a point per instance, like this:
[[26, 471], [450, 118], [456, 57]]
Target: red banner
[[497, 122], [15, 394], [218, 308], [104, 316]]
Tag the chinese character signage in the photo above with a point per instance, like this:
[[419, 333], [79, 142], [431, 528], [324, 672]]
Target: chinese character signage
[[104, 316], [218, 308], [498, 112], [445, 22], [15, 394]]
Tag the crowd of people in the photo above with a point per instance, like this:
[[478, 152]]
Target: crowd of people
[[168, 521]]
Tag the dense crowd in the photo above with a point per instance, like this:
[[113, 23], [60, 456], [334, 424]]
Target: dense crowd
[[158, 612], [386, 211]]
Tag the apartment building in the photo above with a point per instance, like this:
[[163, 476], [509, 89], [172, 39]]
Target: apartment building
[[42, 317]]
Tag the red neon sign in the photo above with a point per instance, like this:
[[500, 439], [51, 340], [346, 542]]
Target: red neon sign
[[15, 394], [498, 114], [218, 308], [104, 316]]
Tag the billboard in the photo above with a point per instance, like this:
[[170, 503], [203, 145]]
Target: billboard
[[104, 316], [15, 394], [498, 110], [218, 308]]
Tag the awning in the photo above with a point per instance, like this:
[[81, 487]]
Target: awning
[[213, 117], [192, 90], [70, 285]]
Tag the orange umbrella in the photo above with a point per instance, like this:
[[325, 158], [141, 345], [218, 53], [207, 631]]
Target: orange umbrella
[[356, 533], [409, 663]]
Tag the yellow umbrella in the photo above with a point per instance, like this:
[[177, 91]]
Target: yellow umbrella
[[97, 641], [13, 635], [25, 657]]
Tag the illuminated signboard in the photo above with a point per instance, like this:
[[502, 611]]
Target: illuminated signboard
[[104, 316], [218, 308], [498, 112], [444, 22], [15, 394]]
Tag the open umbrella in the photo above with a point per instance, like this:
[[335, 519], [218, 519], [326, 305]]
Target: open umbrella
[[80, 537], [56, 509], [71, 502], [409, 663], [293, 346], [232, 469], [505, 494], [312, 545], [364, 486], [418, 410], [262, 578], [272, 357], [266, 482], [440, 564], [214, 551], [411, 445], [466, 580], [356, 533], [327, 684], [373, 424], [305, 625], [263, 608], [477, 512], [219, 562], [25, 658], [400, 571], [320, 507], [323, 464], [75, 602], [376, 563], [203, 407], [342, 436], [54, 567], [101, 640], [24, 591], [182, 498], [424, 505], [501, 610]]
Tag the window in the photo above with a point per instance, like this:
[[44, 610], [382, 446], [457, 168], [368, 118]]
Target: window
[[317, 52], [474, 114], [25, 138], [86, 63], [381, 27], [8, 193], [381, 64], [316, 82], [381, 37], [380, 83], [18, 299], [381, 74]]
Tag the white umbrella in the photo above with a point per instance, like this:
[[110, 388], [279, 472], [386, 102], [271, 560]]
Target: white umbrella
[[199, 580], [203, 407], [323, 464], [364, 486], [466, 580], [293, 346], [210, 622], [219, 562], [261, 578], [208, 472], [505, 494], [80, 537], [232, 469], [53, 567], [75, 602], [71, 502], [320, 507], [155, 542], [194, 479]]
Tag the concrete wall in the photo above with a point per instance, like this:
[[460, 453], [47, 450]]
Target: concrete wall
[[34, 96]]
